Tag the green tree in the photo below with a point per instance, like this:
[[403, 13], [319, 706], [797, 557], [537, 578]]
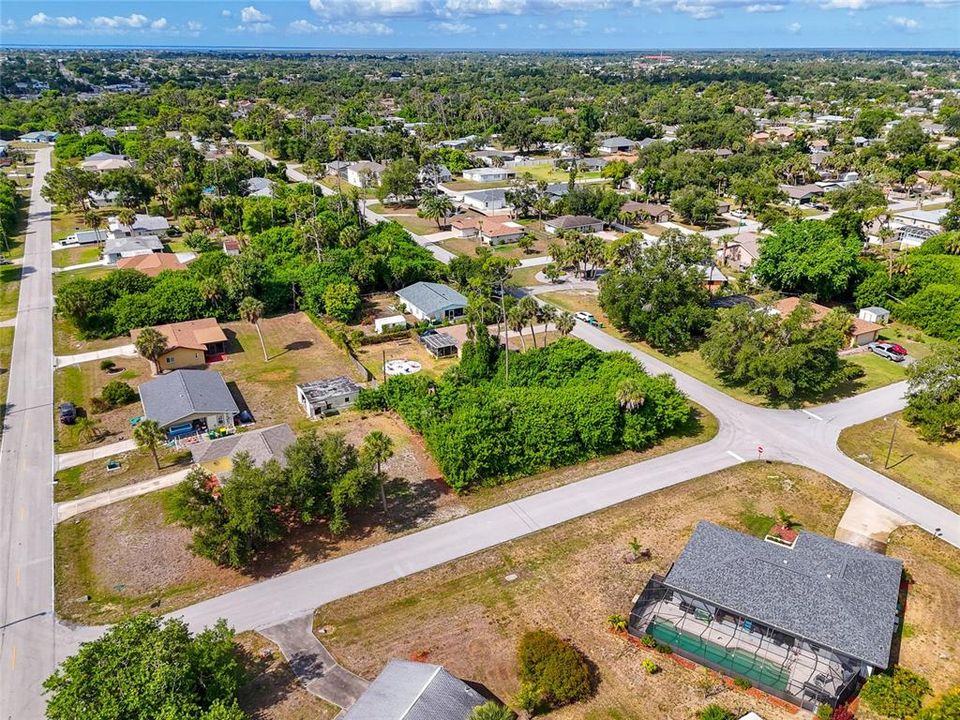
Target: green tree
[[150, 343], [492, 710], [399, 180], [933, 396], [147, 668], [377, 449], [617, 171], [906, 137], [251, 310], [69, 186], [946, 708], [898, 693], [150, 436], [436, 206], [342, 301], [809, 257], [554, 667]]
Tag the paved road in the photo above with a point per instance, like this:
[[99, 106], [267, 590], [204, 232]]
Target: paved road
[[27, 637]]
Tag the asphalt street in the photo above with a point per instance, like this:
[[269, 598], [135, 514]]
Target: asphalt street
[[27, 622]]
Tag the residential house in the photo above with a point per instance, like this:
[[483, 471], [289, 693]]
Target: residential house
[[577, 223], [713, 279], [492, 232], [656, 212], [102, 162], [189, 344], [723, 207], [434, 174], [820, 145], [460, 143], [124, 247], [432, 301], [154, 263], [489, 202], [187, 402], [320, 398], [259, 187], [616, 144], [489, 157], [801, 194], [489, 174], [863, 332], [406, 690], [338, 168], [916, 226], [142, 225], [103, 198], [365, 173], [928, 179], [465, 226], [741, 250], [39, 136], [390, 323], [798, 615], [261, 446]]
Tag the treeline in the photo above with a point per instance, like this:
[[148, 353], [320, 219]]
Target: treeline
[[559, 405], [10, 202], [322, 265], [323, 478]]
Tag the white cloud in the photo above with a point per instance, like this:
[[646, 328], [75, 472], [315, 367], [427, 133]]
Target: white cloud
[[159, 24], [119, 21], [44, 20], [483, 7], [194, 26], [697, 9], [250, 14], [764, 8], [359, 28], [303, 27], [368, 8], [226, 13], [903, 22], [456, 28], [793, 28], [503, 26]]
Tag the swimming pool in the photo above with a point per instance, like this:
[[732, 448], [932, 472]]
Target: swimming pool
[[736, 660]]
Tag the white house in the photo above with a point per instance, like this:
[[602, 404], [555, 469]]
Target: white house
[[488, 174], [365, 173], [616, 144], [124, 247], [495, 233], [432, 301], [142, 225], [578, 223]]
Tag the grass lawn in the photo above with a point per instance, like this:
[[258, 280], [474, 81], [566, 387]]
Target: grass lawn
[[467, 615], [79, 384], [466, 185], [553, 174], [90, 273], [406, 216], [879, 372], [9, 290], [64, 222], [406, 348], [271, 690], [915, 341], [6, 351], [75, 256], [928, 468], [468, 246], [525, 277], [66, 340], [135, 466]]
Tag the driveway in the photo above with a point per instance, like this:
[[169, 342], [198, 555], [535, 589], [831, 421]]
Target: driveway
[[79, 457], [119, 351]]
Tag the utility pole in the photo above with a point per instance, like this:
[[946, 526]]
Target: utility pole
[[893, 435]]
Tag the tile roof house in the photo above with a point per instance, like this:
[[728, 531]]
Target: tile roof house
[[190, 343], [406, 690], [863, 331], [805, 618], [432, 301], [216, 456], [656, 212], [152, 264], [492, 232], [185, 402]]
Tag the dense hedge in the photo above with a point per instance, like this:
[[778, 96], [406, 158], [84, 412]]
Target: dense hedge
[[552, 670], [560, 407]]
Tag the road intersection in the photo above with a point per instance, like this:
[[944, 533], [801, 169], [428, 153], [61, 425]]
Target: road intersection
[[31, 640]]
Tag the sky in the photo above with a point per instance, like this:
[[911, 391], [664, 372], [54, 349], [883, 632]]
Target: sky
[[483, 24]]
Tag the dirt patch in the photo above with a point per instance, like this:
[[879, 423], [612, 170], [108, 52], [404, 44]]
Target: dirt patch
[[468, 616], [272, 692]]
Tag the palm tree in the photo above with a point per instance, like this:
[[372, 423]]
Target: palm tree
[[516, 320], [565, 323], [630, 394], [211, 291], [548, 314], [251, 310], [785, 519], [126, 216], [150, 436], [491, 710], [378, 448], [151, 344], [95, 221], [436, 206], [531, 312], [87, 428]]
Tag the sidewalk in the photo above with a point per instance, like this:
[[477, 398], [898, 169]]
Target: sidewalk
[[72, 459], [81, 266], [120, 351], [67, 510]]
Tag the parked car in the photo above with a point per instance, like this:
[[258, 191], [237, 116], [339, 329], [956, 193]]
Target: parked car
[[739, 214], [899, 349], [588, 318], [68, 413], [885, 350]]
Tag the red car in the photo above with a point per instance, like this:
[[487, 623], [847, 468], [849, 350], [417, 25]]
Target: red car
[[893, 347]]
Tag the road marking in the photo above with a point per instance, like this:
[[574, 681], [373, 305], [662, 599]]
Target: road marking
[[736, 457], [815, 417], [23, 512], [18, 577], [13, 658]]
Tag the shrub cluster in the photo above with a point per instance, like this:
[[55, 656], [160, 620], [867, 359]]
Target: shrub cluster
[[553, 670], [897, 694]]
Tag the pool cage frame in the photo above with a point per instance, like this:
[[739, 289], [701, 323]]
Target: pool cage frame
[[831, 677]]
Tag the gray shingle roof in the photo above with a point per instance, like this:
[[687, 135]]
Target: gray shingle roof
[[431, 297], [415, 691], [262, 445], [830, 593], [182, 393], [565, 222], [132, 245]]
